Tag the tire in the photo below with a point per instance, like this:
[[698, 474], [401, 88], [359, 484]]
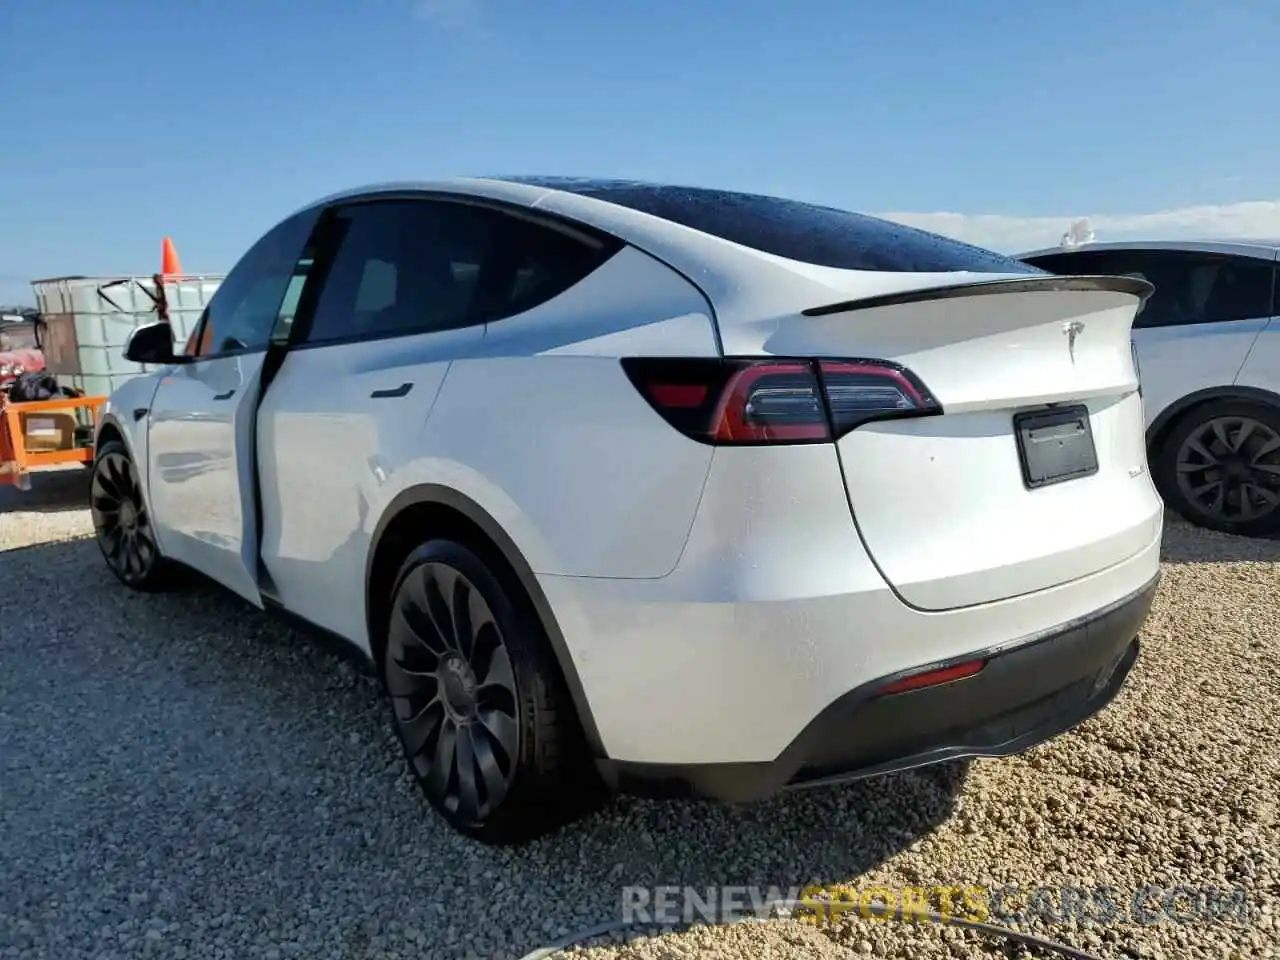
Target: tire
[[122, 524], [481, 710], [1219, 467]]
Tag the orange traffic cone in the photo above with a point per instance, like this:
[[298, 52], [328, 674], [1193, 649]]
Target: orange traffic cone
[[169, 263]]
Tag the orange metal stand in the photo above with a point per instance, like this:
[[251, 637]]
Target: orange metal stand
[[16, 461]]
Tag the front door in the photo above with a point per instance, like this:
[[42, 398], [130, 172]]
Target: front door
[[201, 468], [201, 459]]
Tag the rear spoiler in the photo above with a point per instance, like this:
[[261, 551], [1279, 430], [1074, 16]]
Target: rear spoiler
[[1032, 284]]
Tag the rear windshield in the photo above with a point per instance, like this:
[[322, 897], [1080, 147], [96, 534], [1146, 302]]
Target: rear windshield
[[806, 232]]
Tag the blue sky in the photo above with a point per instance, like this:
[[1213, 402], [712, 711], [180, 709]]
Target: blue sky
[[990, 120]]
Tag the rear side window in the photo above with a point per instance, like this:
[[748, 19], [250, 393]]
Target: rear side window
[[823, 236], [398, 267], [1191, 287]]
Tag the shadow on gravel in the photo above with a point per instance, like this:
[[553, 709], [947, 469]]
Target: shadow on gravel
[[230, 774], [52, 491], [1184, 543]]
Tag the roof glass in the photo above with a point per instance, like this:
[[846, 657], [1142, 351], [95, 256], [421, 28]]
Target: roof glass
[[806, 232]]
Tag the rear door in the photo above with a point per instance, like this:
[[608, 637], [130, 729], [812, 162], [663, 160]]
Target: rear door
[[201, 460]]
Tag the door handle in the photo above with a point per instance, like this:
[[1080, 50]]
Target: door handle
[[225, 396], [400, 391]]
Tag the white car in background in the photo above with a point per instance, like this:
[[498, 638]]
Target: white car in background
[[1208, 346], [676, 491]]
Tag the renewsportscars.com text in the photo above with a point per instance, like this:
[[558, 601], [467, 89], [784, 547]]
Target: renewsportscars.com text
[[1183, 904]]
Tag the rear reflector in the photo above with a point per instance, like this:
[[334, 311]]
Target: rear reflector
[[741, 401], [933, 678]]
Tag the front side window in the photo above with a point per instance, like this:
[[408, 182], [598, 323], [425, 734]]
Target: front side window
[[243, 311], [399, 267]]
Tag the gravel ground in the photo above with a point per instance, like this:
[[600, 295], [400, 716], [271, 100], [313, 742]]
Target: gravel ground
[[183, 776]]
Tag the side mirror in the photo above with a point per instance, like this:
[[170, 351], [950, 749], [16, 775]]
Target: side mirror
[[152, 343]]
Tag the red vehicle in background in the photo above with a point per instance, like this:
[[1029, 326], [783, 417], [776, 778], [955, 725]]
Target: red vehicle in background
[[20, 347]]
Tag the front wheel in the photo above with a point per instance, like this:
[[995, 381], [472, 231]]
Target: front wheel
[[480, 707], [1220, 467], [122, 523]]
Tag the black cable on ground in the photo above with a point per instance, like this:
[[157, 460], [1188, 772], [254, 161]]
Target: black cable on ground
[[875, 909]]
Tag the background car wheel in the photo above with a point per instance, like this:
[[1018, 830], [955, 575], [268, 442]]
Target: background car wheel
[[1220, 468], [480, 707], [121, 521]]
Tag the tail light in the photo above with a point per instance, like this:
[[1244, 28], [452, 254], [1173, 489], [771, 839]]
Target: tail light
[[741, 401]]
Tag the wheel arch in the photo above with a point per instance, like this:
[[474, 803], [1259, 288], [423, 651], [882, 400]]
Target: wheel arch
[[110, 429], [428, 508], [1164, 422], [113, 427]]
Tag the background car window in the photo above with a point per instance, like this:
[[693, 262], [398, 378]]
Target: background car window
[[1190, 287], [1193, 288], [1085, 263], [820, 235], [244, 309], [1115, 263], [413, 266]]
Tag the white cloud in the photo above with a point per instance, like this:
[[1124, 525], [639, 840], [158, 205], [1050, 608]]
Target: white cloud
[[1254, 218]]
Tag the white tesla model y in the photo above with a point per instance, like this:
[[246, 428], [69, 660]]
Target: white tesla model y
[[665, 490]]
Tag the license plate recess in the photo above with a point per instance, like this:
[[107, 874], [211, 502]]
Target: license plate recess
[[1055, 445]]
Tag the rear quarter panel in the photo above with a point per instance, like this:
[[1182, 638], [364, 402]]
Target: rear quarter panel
[[1179, 360], [1261, 369]]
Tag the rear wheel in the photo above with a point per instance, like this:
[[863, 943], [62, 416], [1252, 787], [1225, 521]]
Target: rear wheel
[[480, 708], [1220, 467], [122, 523]]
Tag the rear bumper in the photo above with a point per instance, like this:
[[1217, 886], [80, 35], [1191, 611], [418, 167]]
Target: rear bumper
[[1027, 693]]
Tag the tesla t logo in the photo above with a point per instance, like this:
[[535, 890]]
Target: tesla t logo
[[1072, 330]]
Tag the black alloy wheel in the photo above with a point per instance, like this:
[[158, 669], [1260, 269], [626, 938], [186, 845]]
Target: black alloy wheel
[[479, 708], [121, 521], [1224, 464], [450, 674]]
